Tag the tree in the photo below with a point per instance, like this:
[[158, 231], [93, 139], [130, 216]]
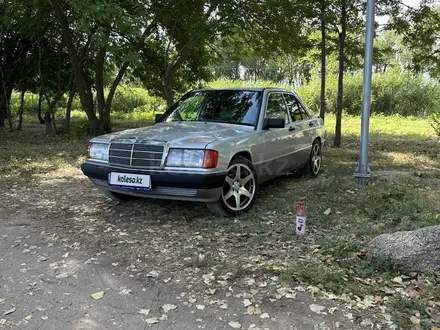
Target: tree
[[15, 45], [348, 34], [189, 31], [99, 33], [421, 34]]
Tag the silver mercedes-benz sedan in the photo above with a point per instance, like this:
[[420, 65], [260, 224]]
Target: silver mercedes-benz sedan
[[213, 145]]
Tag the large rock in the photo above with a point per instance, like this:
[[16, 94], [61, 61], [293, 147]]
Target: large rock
[[412, 251]]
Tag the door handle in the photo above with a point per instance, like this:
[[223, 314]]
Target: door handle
[[311, 124], [291, 128]]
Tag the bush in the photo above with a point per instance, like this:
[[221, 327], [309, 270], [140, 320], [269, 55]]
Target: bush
[[435, 121], [392, 92], [127, 99]]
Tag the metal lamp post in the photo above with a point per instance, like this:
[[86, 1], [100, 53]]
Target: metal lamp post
[[363, 172]]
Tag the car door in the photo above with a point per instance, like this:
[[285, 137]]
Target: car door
[[305, 126], [277, 141], [297, 128]]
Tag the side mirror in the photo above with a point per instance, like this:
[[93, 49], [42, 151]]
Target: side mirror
[[157, 116], [273, 123]]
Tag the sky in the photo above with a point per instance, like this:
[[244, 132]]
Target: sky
[[411, 3]]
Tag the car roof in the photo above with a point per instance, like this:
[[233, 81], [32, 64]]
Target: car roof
[[250, 89]]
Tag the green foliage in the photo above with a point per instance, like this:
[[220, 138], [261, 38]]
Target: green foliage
[[225, 83], [138, 100], [435, 121], [393, 92]]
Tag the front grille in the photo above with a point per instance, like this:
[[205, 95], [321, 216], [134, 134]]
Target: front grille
[[136, 155]]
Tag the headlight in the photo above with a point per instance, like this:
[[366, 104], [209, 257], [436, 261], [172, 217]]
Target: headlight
[[98, 151], [192, 158]]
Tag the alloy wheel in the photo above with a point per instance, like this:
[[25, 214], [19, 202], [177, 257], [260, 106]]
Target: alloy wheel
[[316, 159], [239, 187]]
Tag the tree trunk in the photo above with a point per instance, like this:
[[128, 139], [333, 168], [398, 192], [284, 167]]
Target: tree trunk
[[104, 117], [99, 81], [168, 91], [323, 60], [69, 109], [20, 111], [5, 107], [8, 108], [48, 121], [340, 104], [84, 90], [54, 124], [172, 69], [40, 100]]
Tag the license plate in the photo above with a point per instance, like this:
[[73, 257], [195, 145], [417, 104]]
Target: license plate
[[130, 181]]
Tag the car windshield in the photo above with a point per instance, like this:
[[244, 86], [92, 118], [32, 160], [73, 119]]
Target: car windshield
[[225, 106]]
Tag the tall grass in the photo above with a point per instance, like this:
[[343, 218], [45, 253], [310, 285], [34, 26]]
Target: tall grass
[[393, 93]]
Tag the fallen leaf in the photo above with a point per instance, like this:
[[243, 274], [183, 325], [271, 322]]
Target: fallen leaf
[[200, 307], [163, 317], [247, 302], [144, 311], [367, 322], [125, 291], [224, 306], [331, 310], [265, 316], [250, 282], [97, 295], [44, 317], [349, 316], [414, 320], [328, 211], [235, 325], [10, 311], [152, 320], [317, 308], [251, 310], [290, 295], [153, 273], [397, 280], [168, 307]]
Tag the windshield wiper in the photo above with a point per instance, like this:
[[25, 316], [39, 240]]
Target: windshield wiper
[[224, 122]]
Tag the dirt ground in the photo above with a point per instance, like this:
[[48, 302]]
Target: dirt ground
[[159, 265]]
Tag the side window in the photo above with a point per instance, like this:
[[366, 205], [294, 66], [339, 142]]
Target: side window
[[294, 107], [276, 108], [304, 113]]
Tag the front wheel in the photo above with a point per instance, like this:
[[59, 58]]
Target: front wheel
[[313, 165], [239, 189]]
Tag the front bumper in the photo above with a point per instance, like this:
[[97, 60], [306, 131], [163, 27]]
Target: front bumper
[[197, 187]]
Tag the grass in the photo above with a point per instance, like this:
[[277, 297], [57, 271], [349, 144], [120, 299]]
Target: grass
[[404, 195]]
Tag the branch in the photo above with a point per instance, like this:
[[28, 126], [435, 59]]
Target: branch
[[115, 85]]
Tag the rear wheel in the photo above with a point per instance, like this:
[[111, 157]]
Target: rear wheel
[[313, 165], [119, 197], [239, 189]]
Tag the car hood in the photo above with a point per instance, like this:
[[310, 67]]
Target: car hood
[[180, 134]]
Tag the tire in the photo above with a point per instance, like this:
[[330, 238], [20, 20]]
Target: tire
[[239, 191], [314, 163], [119, 197]]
